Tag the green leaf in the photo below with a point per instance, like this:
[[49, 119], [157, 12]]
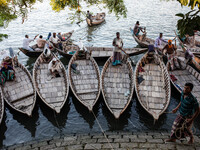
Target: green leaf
[[180, 15]]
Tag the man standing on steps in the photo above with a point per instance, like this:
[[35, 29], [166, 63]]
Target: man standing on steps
[[189, 110]]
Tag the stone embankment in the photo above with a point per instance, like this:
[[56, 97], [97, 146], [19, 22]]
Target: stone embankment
[[113, 140]]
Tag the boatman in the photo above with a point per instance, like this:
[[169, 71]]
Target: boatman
[[189, 110], [170, 51], [26, 42], [118, 44], [41, 42], [137, 29], [159, 41], [89, 16]]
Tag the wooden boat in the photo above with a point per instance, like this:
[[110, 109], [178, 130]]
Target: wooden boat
[[85, 80], [52, 91], [99, 52], [186, 74], [38, 52], [68, 35], [143, 43], [20, 94], [96, 20], [31, 53], [1, 106], [154, 91], [117, 85]]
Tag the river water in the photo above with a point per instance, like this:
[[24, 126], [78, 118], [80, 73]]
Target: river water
[[157, 16]]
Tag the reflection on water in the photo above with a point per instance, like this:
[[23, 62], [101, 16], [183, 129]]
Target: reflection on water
[[75, 118], [92, 32], [30, 63], [57, 120], [29, 123], [116, 124], [3, 129], [85, 113]]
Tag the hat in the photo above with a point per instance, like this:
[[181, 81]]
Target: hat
[[138, 22]]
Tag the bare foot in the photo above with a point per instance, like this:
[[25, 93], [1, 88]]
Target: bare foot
[[170, 140], [191, 141]]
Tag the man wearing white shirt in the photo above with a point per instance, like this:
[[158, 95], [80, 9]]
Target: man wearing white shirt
[[26, 42], [54, 40], [159, 42]]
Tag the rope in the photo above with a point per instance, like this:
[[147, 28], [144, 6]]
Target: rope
[[102, 131], [182, 128]]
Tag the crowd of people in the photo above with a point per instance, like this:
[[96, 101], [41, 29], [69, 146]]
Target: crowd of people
[[54, 40]]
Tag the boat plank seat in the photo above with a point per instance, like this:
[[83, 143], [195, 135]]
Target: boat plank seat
[[86, 92], [21, 98]]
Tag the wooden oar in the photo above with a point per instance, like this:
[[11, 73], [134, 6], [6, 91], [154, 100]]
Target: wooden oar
[[132, 63]]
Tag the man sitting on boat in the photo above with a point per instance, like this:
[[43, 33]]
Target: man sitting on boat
[[189, 110], [170, 51], [8, 72], [54, 67], [8, 60], [60, 37], [159, 42], [41, 42], [118, 44], [137, 29], [26, 42], [54, 40], [89, 16]]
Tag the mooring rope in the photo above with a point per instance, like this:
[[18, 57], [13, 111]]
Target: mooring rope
[[102, 130]]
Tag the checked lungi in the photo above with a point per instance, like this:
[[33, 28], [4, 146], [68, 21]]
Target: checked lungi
[[181, 129]]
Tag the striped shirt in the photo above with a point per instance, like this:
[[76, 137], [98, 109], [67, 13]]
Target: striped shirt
[[188, 105]]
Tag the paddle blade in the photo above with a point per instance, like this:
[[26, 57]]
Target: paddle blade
[[11, 52]]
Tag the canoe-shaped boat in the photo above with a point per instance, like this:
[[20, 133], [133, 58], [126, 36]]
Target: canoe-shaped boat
[[52, 91], [117, 85], [38, 52], [143, 43], [152, 85], [96, 20], [20, 94], [84, 78], [183, 75], [1, 106], [99, 52], [31, 53]]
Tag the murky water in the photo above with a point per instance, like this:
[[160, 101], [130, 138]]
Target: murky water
[[157, 16]]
